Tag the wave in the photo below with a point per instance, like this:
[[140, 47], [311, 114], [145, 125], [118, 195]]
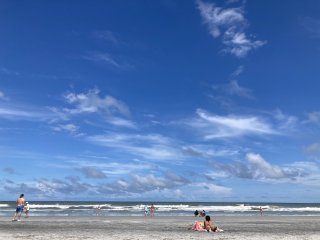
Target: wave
[[165, 209]]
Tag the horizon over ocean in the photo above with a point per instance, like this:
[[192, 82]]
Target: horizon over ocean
[[136, 208]]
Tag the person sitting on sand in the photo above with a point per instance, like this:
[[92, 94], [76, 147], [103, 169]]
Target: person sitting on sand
[[209, 226]]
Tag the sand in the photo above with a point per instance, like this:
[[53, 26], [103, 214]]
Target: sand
[[160, 228]]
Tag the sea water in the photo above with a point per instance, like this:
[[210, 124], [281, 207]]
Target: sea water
[[70, 208]]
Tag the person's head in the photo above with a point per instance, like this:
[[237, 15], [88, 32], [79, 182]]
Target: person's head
[[208, 218], [21, 195]]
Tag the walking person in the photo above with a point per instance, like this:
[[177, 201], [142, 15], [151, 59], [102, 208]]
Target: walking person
[[19, 209]]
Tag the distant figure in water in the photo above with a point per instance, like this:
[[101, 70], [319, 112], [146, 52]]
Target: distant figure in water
[[203, 213], [98, 210], [26, 209], [261, 210], [146, 211], [196, 213], [152, 210]]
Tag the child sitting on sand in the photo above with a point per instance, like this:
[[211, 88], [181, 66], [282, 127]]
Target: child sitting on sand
[[209, 226]]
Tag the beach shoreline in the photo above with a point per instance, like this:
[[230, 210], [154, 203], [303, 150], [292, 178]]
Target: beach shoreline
[[160, 228]]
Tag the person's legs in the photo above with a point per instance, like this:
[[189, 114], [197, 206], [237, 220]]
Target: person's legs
[[15, 214]]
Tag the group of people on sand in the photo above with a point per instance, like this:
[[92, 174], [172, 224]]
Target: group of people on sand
[[206, 226], [22, 206]]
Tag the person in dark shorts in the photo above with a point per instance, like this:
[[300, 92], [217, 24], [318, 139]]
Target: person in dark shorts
[[19, 209]]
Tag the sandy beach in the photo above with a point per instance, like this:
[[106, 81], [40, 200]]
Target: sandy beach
[[160, 228]]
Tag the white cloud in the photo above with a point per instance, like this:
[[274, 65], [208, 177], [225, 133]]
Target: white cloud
[[121, 122], [110, 108], [151, 146], [92, 172], [229, 23], [314, 150], [104, 58], [106, 35], [3, 96], [27, 113], [233, 88], [314, 117], [71, 128], [143, 184], [91, 102], [262, 169], [311, 25], [238, 71], [257, 168], [206, 190], [285, 122], [231, 126]]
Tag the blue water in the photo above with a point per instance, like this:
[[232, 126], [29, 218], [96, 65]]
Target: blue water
[[62, 208]]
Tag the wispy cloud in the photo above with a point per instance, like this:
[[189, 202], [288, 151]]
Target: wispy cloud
[[230, 25], [8, 71], [91, 102], [255, 167], [313, 150], [216, 126], [236, 89], [233, 89], [106, 58], [107, 36], [102, 57], [27, 113], [150, 146], [70, 128], [3, 96], [314, 117], [8, 170], [238, 71], [92, 172], [142, 184], [111, 109], [311, 25]]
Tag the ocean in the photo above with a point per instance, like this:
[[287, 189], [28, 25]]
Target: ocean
[[67, 208]]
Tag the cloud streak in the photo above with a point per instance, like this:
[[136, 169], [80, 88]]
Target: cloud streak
[[217, 126]]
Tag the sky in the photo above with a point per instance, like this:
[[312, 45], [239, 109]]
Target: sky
[[167, 100]]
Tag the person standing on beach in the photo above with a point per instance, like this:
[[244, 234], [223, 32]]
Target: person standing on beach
[[152, 210], [26, 209], [146, 211], [19, 209]]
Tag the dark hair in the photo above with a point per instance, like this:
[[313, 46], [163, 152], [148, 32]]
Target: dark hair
[[21, 195], [207, 218]]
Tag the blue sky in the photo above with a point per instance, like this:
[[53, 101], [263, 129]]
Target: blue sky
[[160, 100]]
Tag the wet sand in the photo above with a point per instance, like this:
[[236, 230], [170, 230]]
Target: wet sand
[[160, 228]]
